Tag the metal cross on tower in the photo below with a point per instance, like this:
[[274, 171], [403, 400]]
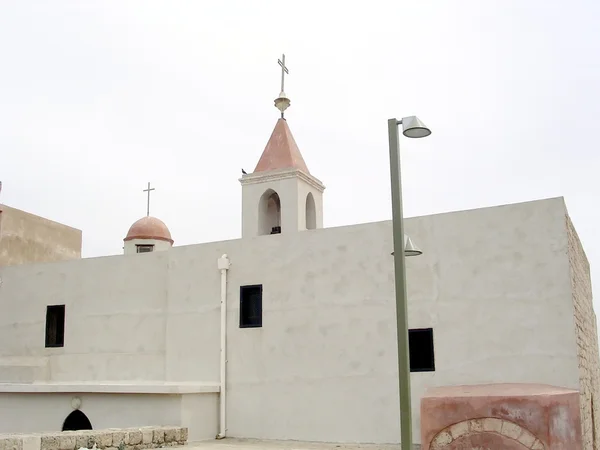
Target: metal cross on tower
[[282, 102], [284, 70], [148, 191]]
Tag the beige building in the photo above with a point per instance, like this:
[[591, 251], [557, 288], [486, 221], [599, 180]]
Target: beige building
[[27, 238]]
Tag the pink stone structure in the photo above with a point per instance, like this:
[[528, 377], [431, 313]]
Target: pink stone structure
[[281, 151], [501, 416]]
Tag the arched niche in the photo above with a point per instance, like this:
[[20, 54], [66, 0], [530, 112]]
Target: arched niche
[[486, 432], [76, 421], [269, 213], [311, 212]]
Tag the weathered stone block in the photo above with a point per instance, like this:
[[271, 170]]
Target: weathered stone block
[[120, 437], [538, 445], [67, 441], [50, 442], [170, 434], [84, 439], [103, 439], [158, 436], [510, 429], [135, 437], [441, 440], [178, 434], [11, 443], [476, 425], [527, 439], [184, 434], [32, 442], [458, 429], [147, 436], [492, 424]]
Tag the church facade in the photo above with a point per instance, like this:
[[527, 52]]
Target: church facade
[[289, 332]]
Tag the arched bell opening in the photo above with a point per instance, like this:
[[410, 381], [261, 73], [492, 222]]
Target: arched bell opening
[[269, 213]]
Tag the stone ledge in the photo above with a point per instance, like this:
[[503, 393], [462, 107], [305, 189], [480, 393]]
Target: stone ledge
[[110, 388], [112, 439]]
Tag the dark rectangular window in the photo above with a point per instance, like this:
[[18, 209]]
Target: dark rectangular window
[[420, 343], [144, 248], [251, 306], [55, 326]]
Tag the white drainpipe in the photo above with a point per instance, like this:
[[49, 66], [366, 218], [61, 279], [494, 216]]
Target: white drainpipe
[[223, 265]]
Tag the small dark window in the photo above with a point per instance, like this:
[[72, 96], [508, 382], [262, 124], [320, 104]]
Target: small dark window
[[55, 326], [251, 306], [276, 230], [144, 248], [420, 343]]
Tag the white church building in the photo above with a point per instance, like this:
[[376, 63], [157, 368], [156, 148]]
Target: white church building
[[290, 332]]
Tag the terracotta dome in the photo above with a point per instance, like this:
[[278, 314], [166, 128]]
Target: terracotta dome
[[149, 228]]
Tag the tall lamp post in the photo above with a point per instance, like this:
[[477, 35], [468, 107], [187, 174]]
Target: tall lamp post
[[411, 127]]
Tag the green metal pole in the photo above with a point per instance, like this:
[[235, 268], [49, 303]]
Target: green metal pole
[[400, 276]]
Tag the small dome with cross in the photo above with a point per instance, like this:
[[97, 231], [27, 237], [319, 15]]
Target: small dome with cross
[[149, 228], [148, 234]]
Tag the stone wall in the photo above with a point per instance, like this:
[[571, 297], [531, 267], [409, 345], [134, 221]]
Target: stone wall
[[112, 439], [587, 340], [26, 238]]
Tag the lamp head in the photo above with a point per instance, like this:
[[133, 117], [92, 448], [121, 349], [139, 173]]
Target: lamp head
[[410, 249], [412, 127]]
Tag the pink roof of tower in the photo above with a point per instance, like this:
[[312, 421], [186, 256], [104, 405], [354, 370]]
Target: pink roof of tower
[[281, 151]]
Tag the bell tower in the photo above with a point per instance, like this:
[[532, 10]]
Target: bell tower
[[281, 195]]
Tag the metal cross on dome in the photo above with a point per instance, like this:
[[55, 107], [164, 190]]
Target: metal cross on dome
[[148, 191]]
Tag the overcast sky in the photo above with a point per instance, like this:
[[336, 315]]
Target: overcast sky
[[98, 98]]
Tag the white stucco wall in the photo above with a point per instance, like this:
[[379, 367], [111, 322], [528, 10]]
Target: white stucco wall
[[493, 283], [115, 316], [47, 412], [129, 247]]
